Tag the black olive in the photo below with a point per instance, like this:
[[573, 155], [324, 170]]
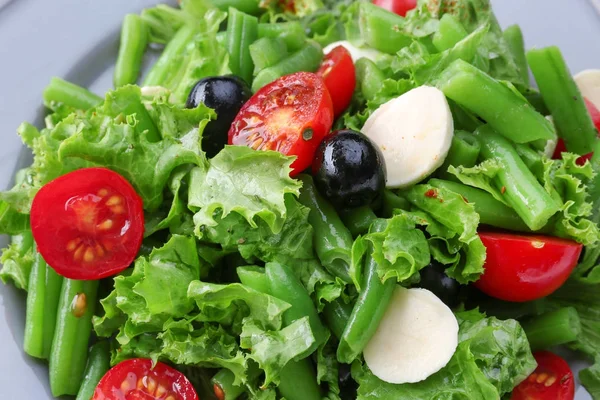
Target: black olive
[[224, 94], [348, 386], [348, 169], [434, 279]]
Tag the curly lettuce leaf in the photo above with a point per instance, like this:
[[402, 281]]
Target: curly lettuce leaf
[[17, 260]]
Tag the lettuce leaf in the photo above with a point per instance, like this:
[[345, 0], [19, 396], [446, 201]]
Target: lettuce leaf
[[17, 260]]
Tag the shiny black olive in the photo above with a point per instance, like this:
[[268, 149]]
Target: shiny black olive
[[348, 169], [434, 279], [224, 94], [348, 386]]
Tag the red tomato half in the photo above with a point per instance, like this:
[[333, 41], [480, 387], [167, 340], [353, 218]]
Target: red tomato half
[[551, 380], [400, 7], [560, 146], [523, 268], [135, 379], [339, 74], [290, 115], [88, 224]]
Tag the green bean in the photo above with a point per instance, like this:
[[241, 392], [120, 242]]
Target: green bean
[[69, 94], [337, 314], [246, 6], [168, 62], [508, 113], [97, 365], [491, 211], [516, 45], [285, 285], [510, 310], [145, 124], [223, 386], [68, 355], [292, 33], [521, 189], [463, 119], [391, 202], [266, 52], [331, 239], [358, 220], [554, 328], [382, 29], [254, 277], [42, 304], [367, 312], [298, 381], [242, 31], [308, 58], [369, 78], [134, 39], [163, 22], [450, 32], [531, 158], [464, 151], [561, 95]]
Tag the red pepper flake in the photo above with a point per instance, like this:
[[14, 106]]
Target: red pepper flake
[[503, 190], [431, 193], [465, 199]]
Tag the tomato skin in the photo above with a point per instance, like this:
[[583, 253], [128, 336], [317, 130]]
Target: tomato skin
[[339, 74], [560, 145], [400, 7], [291, 115], [88, 224], [137, 379], [555, 377], [523, 268]]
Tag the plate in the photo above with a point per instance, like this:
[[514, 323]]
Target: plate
[[78, 40]]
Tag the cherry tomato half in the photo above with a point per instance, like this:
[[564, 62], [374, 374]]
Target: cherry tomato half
[[523, 268], [551, 380], [339, 74], [560, 146], [400, 7], [88, 224], [136, 379], [290, 115]]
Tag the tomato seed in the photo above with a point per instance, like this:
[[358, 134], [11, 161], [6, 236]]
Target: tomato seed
[[79, 305]]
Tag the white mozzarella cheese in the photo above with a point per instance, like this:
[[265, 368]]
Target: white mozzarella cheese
[[355, 52]]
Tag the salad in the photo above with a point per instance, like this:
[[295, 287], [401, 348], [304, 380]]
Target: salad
[[314, 199]]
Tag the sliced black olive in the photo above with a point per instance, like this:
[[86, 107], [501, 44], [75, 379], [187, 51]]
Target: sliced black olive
[[224, 94], [434, 279], [348, 169], [348, 386]]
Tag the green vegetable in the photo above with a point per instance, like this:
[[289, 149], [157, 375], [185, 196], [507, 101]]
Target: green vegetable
[[43, 294], [449, 34], [254, 277], [516, 45], [391, 202], [358, 220], [223, 386], [553, 328], [98, 364], [565, 102], [266, 52], [160, 72], [17, 260], [69, 352], [505, 111], [292, 33], [242, 31], [308, 58], [298, 381], [464, 151], [69, 94], [134, 38], [382, 29], [369, 78], [332, 240], [337, 314], [246, 6], [163, 22]]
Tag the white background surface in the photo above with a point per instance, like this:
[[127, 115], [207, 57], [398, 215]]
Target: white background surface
[[77, 39]]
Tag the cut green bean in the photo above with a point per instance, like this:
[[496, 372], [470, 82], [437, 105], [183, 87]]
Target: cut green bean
[[358, 220], [464, 151], [168, 62], [463, 119], [134, 39], [508, 113], [369, 78], [510, 310], [554, 328], [561, 95], [521, 189], [42, 303], [491, 211], [266, 52], [284, 285], [299, 381], [97, 365], [307, 58], [450, 32], [382, 29], [516, 45], [337, 314], [246, 6], [292, 33], [367, 312], [531, 158], [223, 386], [69, 94], [391, 202], [331, 239], [69, 352], [242, 31], [254, 277]]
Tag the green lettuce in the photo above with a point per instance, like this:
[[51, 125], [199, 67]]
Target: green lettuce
[[17, 260]]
